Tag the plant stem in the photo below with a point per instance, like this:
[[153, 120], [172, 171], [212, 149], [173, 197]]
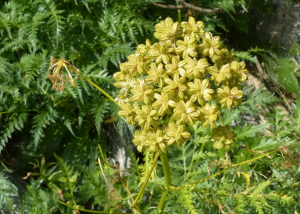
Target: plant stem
[[94, 84], [90, 211], [147, 178], [7, 112], [167, 172], [162, 202]]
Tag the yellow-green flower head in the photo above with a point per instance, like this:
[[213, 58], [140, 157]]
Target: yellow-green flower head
[[129, 112], [122, 74], [126, 85], [142, 93], [156, 75], [200, 90], [229, 97], [163, 103], [176, 87], [136, 63], [168, 30], [166, 86], [139, 139], [193, 29], [156, 141], [238, 73], [176, 68], [160, 52], [120, 99], [196, 68], [210, 45], [187, 47], [177, 134], [220, 75], [186, 113], [223, 137], [224, 58], [144, 49], [209, 114], [146, 117]]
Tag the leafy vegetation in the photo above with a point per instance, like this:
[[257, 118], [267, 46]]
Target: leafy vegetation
[[54, 135]]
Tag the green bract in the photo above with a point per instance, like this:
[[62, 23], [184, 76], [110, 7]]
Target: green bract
[[187, 76]]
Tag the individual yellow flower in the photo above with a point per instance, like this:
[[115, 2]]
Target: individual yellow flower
[[125, 86], [129, 112], [163, 103], [219, 75], [238, 73], [209, 114], [196, 68], [142, 93], [120, 99], [193, 28], [136, 62], [224, 58], [200, 90], [177, 134], [223, 137], [139, 139], [168, 30], [176, 68], [176, 86], [123, 74], [156, 75], [144, 49], [186, 112], [156, 141], [229, 97], [146, 117], [187, 47], [160, 52], [210, 45]]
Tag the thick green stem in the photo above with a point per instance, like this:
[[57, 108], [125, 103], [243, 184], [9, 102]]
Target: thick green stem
[[167, 172], [166, 167], [162, 202]]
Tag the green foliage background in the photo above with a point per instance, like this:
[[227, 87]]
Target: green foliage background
[[96, 35]]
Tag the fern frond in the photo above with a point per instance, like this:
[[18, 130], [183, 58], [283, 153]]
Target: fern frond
[[99, 109], [7, 191]]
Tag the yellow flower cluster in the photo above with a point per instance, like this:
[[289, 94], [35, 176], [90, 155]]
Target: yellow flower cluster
[[187, 76]]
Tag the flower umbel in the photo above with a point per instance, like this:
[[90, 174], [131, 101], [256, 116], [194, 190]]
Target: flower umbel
[[185, 77]]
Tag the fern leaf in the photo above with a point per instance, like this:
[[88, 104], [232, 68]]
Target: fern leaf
[[146, 167], [40, 121], [7, 190], [249, 130], [99, 109], [230, 116], [186, 200]]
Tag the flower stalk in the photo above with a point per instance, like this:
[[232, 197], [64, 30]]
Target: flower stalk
[[167, 172]]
